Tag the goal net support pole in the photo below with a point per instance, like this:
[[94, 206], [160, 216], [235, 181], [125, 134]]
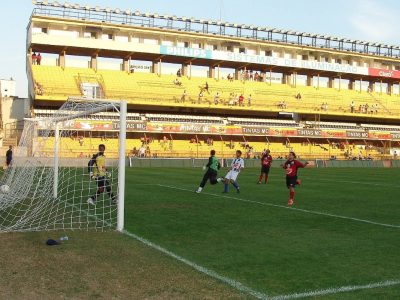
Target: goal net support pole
[[121, 166], [56, 158]]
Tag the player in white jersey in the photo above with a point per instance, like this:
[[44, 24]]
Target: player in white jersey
[[236, 166]]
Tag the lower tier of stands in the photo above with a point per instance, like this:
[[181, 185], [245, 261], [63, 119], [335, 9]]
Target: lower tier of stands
[[154, 147]]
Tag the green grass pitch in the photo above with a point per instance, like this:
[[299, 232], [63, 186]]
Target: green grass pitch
[[339, 232]]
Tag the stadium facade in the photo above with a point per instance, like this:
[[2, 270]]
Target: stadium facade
[[194, 84]]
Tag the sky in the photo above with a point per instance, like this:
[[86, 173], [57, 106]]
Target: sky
[[370, 20]]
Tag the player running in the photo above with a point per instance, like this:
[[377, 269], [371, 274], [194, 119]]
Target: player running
[[97, 171], [291, 166], [266, 161], [236, 166], [213, 166]]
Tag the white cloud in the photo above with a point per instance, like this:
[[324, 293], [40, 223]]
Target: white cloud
[[375, 22]]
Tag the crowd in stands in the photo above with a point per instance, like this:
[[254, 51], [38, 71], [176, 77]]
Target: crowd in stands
[[36, 58], [364, 108]]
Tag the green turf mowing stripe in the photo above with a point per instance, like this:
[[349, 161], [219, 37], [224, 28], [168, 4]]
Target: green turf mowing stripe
[[285, 207]]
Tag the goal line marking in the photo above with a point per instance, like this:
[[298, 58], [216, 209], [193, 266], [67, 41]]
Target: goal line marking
[[231, 282], [285, 207]]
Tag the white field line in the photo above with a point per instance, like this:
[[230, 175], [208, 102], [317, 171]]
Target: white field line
[[337, 290], [285, 207], [233, 283], [238, 285]]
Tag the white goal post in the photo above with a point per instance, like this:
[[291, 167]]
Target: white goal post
[[49, 184]]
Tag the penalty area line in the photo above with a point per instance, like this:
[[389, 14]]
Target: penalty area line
[[285, 207], [231, 282], [337, 290]]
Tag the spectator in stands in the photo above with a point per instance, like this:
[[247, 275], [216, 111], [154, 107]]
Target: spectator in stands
[[148, 152], [251, 75], [132, 69], [249, 100], [376, 108], [352, 106], [38, 88], [142, 151], [200, 98], [177, 82], [38, 59], [34, 58], [216, 98], [372, 109], [256, 77], [262, 77], [241, 99], [183, 97], [179, 73], [229, 77], [206, 87]]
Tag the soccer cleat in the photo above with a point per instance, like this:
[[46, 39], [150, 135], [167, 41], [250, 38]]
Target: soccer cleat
[[238, 191], [290, 202], [199, 190], [91, 201], [298, 182], [259, 182]]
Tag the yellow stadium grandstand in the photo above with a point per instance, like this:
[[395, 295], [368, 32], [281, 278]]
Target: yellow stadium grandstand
[[195, 85]]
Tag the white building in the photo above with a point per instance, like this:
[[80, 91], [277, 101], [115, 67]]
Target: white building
[[7, 88]]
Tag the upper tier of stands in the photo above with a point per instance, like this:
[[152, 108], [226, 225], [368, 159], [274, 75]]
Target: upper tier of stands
[[55, 83]]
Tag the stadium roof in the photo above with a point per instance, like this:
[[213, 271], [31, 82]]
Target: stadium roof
[[215, 27]]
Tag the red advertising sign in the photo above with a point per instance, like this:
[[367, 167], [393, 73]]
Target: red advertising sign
[[383, 73]]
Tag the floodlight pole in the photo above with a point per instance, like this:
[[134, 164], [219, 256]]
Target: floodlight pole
[[121, 166], [56, 159]]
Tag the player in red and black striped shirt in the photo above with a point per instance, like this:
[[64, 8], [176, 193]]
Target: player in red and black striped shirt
[[291, 166], [266, 161]]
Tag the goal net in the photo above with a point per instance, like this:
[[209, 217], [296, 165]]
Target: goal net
[[48, 184]]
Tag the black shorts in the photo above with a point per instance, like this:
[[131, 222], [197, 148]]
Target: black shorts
[[265, 169], [291, 181], [102, 182]]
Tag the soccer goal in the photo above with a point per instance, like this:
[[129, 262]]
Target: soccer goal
[[49, 183]]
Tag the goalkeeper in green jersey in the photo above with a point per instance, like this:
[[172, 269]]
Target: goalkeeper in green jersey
[[98, 171], [213, 166]]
